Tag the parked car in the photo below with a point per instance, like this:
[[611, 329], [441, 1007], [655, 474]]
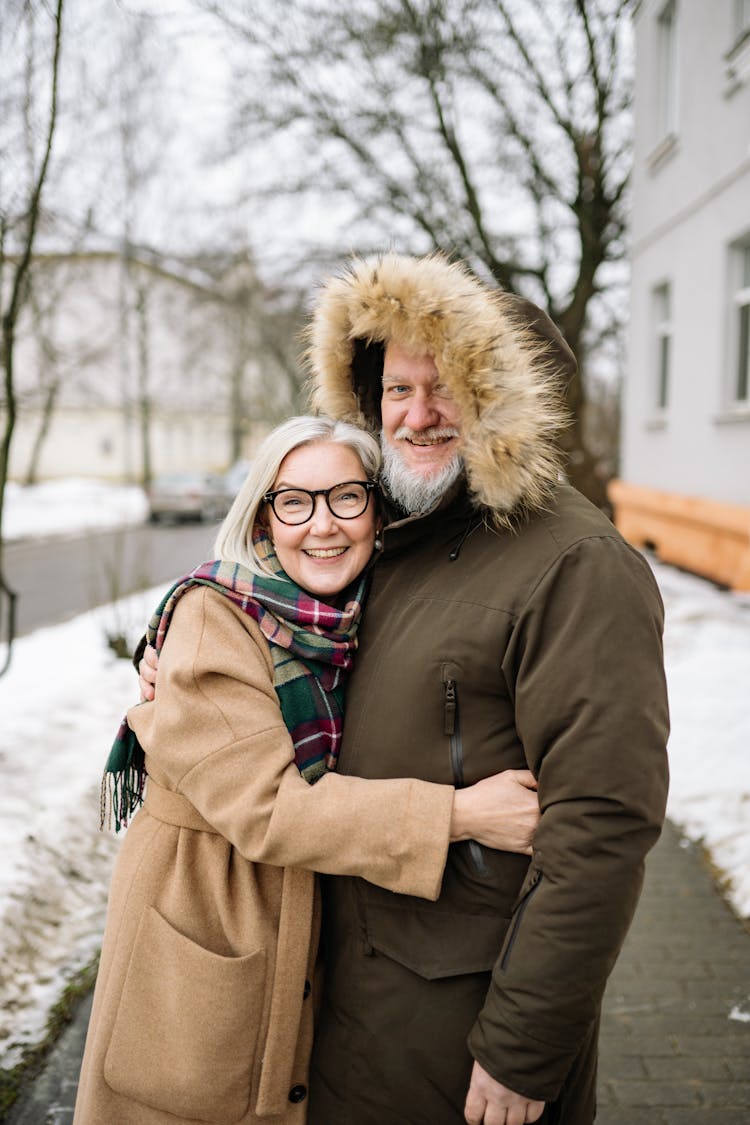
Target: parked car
[[234, 478], [187, 496]]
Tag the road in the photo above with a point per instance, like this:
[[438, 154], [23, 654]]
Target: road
[[59, 577]]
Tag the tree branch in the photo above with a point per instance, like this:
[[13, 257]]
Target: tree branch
[[10, 315]]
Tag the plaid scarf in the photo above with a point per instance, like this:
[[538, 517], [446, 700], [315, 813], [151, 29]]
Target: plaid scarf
[[312, 647]]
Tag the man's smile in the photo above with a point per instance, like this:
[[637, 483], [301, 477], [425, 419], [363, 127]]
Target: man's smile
[[425, 439]]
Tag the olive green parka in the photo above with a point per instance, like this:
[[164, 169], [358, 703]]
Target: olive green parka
[[510, 627]]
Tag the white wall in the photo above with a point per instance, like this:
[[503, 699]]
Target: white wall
[[191, 351], [691, 201], [96, 442]]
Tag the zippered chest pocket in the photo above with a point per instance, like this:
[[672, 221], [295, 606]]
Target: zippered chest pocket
[[452, 730]]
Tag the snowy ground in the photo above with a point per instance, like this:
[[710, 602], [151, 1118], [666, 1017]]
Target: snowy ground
[[62, 699], [66, 505]]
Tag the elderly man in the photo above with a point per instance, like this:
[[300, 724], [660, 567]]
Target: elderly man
[[509, 625]]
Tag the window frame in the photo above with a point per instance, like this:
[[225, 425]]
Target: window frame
[[662, 347], [738, 398], [667, 86]]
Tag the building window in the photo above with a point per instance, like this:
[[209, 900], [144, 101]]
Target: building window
[[662, 318], [740, 385], [666, 38], [738, 56]]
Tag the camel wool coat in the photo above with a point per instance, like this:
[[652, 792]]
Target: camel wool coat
[[203, 1008]]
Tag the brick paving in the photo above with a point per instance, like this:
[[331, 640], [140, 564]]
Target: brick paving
[[670, 1052]]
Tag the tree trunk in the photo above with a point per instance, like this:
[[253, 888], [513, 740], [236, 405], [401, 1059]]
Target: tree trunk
[[18, 294], [144, 388], [48, 409], [582, 467]]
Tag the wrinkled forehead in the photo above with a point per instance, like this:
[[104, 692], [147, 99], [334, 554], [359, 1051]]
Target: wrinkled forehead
[[399, 362]]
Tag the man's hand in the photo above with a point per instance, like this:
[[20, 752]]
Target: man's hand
[[147, 669], [501, 812], [490, 1103]]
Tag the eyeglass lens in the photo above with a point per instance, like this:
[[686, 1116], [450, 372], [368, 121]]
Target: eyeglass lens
[[295, 505]]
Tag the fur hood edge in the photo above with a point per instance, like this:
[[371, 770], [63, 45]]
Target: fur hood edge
[[501, 357]]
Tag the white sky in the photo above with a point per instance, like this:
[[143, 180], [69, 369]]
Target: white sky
[[64, 695]]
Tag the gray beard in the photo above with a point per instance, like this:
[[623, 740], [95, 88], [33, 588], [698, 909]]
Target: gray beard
[[412, 491]]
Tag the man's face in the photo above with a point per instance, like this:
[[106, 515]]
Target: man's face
[[420, 420]]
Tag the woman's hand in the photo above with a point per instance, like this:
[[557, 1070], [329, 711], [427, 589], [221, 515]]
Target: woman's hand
[[147, 668], [501, 812]]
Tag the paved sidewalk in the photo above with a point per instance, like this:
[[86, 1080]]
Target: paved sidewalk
[[671, 1052]]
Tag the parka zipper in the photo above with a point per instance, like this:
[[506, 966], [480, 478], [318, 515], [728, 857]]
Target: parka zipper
[[452, 728], [517, 918]]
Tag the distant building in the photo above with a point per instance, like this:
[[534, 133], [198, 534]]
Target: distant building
[[143, 362], [685, 469]]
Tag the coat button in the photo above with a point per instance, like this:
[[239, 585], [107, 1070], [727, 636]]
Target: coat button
[[297, 1094], [306, 990]]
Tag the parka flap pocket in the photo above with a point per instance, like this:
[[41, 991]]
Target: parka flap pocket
[[532, 877], [435, 944], [185, 1033]]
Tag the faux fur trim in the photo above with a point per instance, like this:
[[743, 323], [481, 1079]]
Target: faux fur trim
[[501, 357]]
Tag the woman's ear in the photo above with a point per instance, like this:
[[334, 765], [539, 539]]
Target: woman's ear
[[263, 522]]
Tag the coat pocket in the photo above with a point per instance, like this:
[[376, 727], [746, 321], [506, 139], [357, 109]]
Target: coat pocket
[[186, 1029], [452, 727], [526, 893], [436, 944]]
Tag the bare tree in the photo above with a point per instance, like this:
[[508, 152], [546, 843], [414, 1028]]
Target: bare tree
[[55, 365], [495, 130], [141, 136], [262, 327], [20, 209], [49, 375]]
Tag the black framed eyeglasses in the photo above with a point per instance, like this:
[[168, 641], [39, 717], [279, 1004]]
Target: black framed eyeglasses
[[345, 501]]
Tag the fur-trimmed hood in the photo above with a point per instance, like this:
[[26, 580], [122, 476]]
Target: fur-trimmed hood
[[502, 358]]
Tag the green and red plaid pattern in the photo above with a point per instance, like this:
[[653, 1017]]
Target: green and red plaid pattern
[[312, 647]]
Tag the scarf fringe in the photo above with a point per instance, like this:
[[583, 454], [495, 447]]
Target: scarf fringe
[[121, 793]]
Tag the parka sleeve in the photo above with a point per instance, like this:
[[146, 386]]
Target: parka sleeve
[[586, 666], [215, 734]]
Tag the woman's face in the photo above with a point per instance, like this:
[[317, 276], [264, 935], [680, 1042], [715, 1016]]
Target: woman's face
[[326, 553]]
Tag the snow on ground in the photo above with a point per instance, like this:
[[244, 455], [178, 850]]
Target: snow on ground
[[70, 505], [64, 694], [707, 654], [60, 704]]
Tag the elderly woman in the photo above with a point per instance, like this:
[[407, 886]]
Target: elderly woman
[[203, 1010]]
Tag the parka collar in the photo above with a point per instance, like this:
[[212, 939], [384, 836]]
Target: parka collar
[[448, 523]]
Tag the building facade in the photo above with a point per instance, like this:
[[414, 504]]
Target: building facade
[[128, 366], [685, 467]]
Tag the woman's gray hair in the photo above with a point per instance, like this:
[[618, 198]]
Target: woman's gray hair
[[234, 541]]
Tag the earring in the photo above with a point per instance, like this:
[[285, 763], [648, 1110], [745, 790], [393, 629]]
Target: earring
[[378, 544]]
